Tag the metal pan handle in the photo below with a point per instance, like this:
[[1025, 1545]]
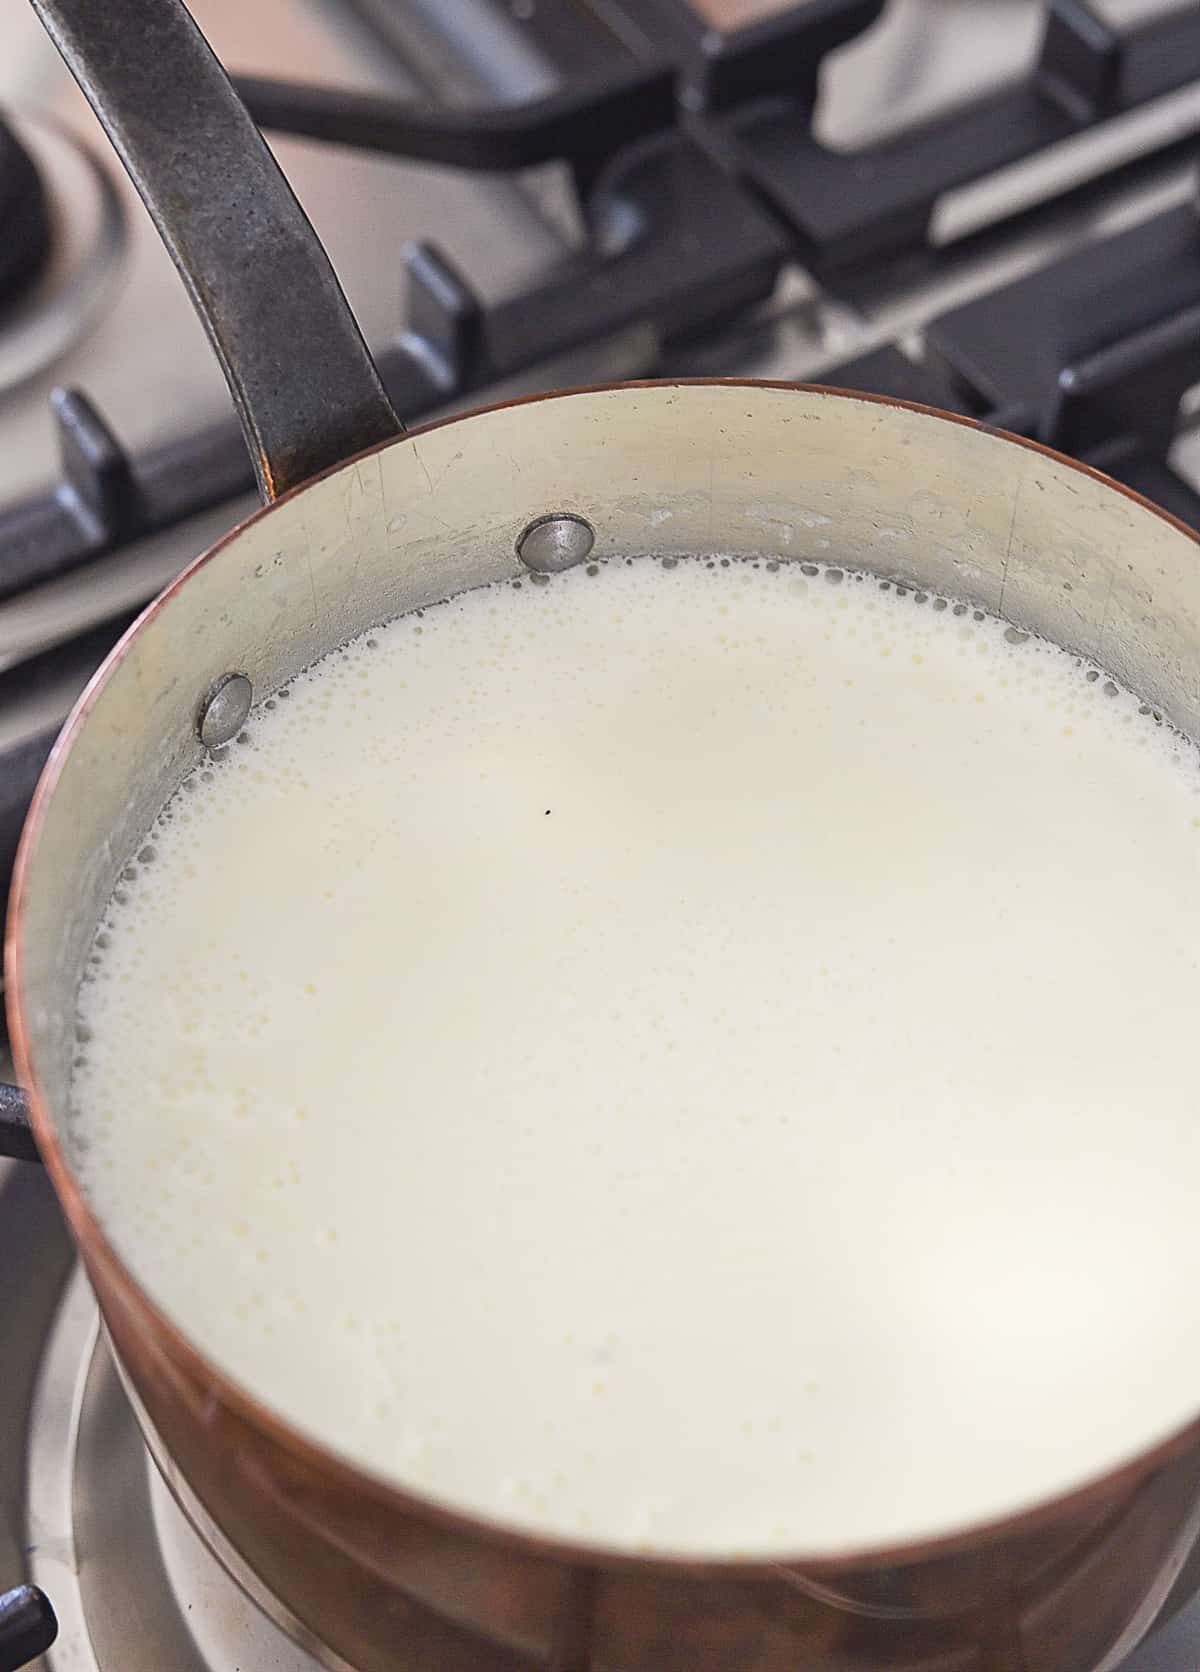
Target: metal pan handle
[[305, 387], [306, 390]]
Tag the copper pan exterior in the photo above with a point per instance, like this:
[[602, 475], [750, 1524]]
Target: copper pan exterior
[[384, 1579]]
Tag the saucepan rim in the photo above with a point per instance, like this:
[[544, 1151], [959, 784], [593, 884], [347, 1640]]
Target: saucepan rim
[[98, 1251]]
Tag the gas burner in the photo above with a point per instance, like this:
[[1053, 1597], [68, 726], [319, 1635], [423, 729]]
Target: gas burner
[[136, 1587], [64, 234]]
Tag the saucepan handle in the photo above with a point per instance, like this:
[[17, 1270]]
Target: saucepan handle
[[306, 390], [305, 387]]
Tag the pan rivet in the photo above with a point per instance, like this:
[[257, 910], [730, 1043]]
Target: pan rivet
[[556, 542], [224, 709]]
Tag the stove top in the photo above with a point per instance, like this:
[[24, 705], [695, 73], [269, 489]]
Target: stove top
[[990, 208]]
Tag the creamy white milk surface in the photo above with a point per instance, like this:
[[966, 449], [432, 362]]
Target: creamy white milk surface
[[698, 1058]]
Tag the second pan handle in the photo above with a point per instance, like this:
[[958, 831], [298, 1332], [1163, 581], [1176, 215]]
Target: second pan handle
[[307, 392]]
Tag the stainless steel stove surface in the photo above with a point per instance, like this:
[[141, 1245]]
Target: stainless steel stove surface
[[930, 216]]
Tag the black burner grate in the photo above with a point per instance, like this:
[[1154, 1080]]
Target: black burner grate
[[24, 219]]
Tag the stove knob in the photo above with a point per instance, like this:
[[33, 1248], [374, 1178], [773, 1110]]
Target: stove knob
[[27, 1626]]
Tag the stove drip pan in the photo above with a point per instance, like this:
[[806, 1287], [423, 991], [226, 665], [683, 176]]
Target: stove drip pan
[[132, 1571]]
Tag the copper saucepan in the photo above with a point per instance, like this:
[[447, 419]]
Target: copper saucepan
[[361, 524]]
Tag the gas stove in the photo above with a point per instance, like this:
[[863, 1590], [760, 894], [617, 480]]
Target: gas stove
[[991, 208]]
